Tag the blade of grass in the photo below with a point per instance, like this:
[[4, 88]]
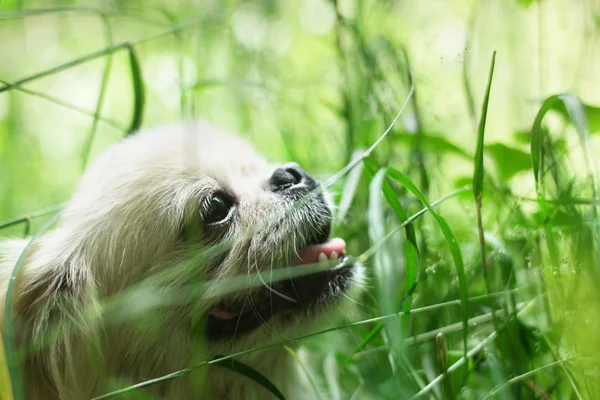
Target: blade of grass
[[64, 104], [65, 66], [417, 151], [433, 334], [311, 380], [442, 359], [195, 23], [250, 373], [411, 247], [465, 65], [364, 257], [564, 369], [411, 255], [470, 353], [350, 187], [352, 164], [452, 243], [521, 377], [577, 114], [575, 111], [99, 104], [478, 176], [139, 94], [478, 168], [103, 15], [35, 214], [136, 76], [384, 270]]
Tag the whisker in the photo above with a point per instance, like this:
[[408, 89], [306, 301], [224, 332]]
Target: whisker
[[265, 284], [237, 325], [351, 299]]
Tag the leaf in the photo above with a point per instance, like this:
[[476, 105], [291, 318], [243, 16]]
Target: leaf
[[478, 168], [139, 94], [454, 250], [412, 257], [575, 110], [572, 106], [97, 112], [508, 160], [478, 175], [385, 272], [383, 264], [249, 372], [411, 247]]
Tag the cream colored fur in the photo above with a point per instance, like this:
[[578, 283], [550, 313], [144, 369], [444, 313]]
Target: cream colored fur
[[122, 228]]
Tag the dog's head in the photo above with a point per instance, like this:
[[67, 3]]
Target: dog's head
[[196, 205]]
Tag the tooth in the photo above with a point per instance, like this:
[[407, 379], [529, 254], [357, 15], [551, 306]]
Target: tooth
[[322, 258], [333, 256]]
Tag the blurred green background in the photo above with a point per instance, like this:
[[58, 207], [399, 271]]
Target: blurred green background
[[315, 81]]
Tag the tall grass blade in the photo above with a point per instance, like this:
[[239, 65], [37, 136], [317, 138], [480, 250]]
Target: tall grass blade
[[384, 269], [139, 94], [411, 256], [452, 243], [478, 176], [442, 359], [478, 170], [573, 107], [97, 112], [564, 103], [350, 187], [464, 359], [36, 214]]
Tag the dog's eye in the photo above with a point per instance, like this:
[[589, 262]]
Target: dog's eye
[[218, 209]]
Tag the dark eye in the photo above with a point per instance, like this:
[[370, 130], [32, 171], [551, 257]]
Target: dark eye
[[218, 208]]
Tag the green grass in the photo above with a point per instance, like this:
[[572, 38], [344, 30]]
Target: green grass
[[487, 292]]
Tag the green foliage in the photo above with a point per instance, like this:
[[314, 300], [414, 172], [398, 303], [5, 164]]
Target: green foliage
[[505, 276]]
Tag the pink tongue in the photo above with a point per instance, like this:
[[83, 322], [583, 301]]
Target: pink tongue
[[310, 254]]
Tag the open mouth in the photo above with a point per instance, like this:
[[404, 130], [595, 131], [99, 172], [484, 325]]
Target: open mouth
[[289, 297]]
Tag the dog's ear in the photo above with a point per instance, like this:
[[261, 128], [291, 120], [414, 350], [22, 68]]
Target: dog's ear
[[57, 325]]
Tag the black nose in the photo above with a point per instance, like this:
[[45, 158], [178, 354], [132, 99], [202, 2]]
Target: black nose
[[287, 176]]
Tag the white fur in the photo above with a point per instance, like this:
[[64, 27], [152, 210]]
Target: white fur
[[122, 228]]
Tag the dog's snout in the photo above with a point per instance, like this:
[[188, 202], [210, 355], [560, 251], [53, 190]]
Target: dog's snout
[[289, 175]]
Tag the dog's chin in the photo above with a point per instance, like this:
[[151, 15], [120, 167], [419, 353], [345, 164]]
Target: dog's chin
[[301, 298]]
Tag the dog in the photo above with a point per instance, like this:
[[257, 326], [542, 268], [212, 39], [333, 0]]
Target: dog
[[135, 280]]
